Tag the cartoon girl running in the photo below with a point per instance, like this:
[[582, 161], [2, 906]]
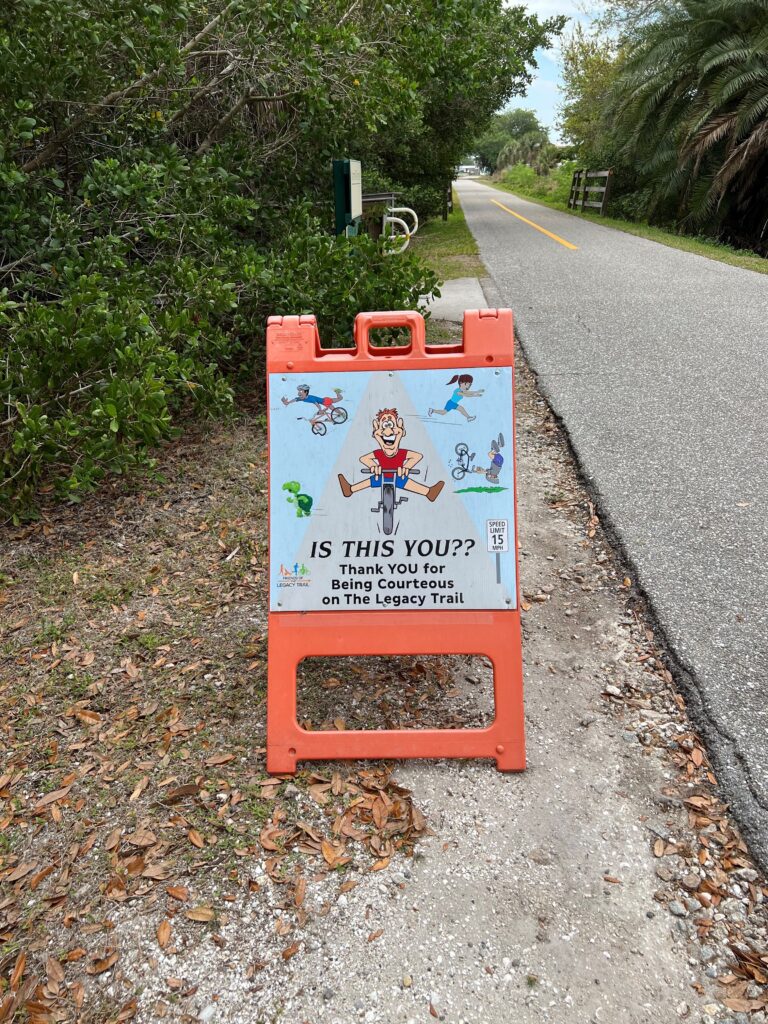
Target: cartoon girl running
[[462, 391]]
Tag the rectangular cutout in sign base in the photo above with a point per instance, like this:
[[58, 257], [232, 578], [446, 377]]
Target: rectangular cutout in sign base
[[392, 520]]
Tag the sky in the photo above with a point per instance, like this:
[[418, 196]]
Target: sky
[[543, 95]]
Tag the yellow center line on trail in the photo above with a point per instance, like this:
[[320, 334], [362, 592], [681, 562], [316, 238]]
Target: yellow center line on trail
[[549, 234]]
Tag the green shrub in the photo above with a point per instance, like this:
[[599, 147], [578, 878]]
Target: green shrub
[[555, 186], [140, 298], [334, 278], [425, 199]]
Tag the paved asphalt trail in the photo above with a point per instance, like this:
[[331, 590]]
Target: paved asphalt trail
[[657, 362]]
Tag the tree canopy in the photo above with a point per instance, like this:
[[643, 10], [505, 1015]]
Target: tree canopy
[[506, 128], [675, 97], [165, 185]]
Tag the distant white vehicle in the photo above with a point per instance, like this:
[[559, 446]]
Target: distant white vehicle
[[468, 169]]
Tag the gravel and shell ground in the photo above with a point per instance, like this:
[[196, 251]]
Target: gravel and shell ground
[[151, 870]]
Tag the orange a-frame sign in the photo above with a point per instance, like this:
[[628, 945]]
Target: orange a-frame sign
[[354, 433]]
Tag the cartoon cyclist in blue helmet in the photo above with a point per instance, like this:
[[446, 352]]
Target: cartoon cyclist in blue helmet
[[323, 406]]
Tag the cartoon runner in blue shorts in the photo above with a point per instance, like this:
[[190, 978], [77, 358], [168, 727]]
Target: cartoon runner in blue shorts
[[462, 391]]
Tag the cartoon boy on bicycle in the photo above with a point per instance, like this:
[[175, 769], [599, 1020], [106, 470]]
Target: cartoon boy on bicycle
[[389, 461], [323, 405]]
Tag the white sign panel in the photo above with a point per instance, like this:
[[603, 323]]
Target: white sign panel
[[392, 489], [355, 189], [498, 535]]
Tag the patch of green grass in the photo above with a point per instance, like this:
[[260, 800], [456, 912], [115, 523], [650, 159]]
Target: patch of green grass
[[6, 846], [260, 811], [700, 246], [150, 641], [50, 631], [482, 490], [555, 497], [111, 594], [52, 574], [449, 246], [72, 684]]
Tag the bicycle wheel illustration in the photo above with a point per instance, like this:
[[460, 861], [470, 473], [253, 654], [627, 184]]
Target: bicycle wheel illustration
[[319, 429], [388, 508], [338, 415]]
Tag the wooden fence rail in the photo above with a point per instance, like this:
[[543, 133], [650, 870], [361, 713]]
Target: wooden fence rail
[[585, 195]]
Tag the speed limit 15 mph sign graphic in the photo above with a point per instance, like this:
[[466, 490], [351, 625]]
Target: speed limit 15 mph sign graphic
[[498, 534]]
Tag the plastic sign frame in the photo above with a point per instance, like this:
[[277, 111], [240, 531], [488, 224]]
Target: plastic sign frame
[[293, 348]]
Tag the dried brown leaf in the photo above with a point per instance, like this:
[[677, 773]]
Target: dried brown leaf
[[100, 966], [127, 1012], [195, 838], [20, 872], [319, 793], [181, 792], [201, 914], [142, 837], [88, 717], [329, 852], [156, 872], [54, 970], [268, 838], [219, 759], [139, 788], [18, 971], [738, 1005], [300, 892], [51, 798], [113, 839], [164, 933]]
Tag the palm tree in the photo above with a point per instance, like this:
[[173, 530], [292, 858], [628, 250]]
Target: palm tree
[[690, 108], [524, 150]]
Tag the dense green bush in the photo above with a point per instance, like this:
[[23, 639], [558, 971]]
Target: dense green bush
[[334, 278], [555, 186], [93, 380], [114, 322], [425, 199]]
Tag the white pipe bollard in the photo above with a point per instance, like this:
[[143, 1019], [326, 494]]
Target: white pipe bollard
[[405, 234], [411, 213]]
